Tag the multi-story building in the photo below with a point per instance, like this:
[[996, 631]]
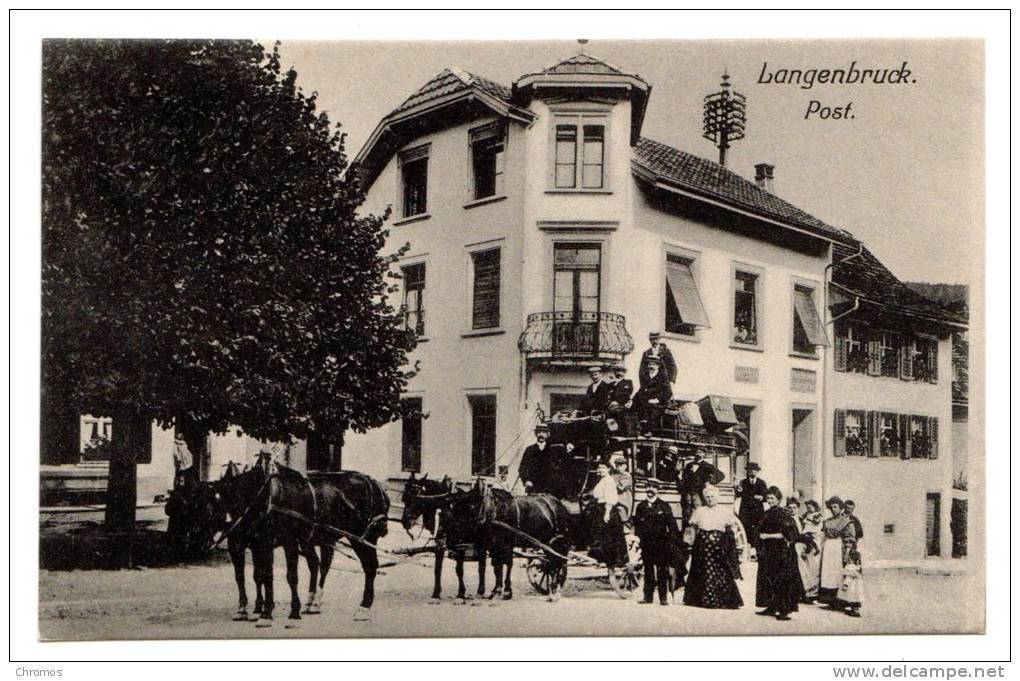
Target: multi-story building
[[546, 234]]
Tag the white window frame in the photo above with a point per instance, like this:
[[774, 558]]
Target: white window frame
[[483, 133], [580, 118], [411, 155], [758, 273], [694, 263], [814, 287], [411, 261]]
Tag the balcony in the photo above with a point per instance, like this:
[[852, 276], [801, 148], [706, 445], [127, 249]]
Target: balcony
[[569, 339]]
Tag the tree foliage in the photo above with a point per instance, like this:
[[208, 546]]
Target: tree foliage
[[203, 259]]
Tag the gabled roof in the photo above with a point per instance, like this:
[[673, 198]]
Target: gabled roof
[[449, 81], [857, 270], [451, 90], [663, 163]]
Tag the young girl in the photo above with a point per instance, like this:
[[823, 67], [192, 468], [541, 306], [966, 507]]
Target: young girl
[[851, 591]]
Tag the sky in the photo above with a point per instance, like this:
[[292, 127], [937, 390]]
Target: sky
[[904, 175]]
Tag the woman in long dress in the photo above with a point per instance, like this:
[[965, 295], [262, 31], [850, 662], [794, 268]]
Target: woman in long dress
[[838, 538], [711, 582], [778, 587], [809, 549]]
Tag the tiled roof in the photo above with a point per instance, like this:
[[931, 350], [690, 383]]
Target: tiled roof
[[708, 178], [449, 81], [584, 63], [867, 277]]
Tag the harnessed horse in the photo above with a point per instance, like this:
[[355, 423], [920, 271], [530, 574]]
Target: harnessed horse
[[432, 501]]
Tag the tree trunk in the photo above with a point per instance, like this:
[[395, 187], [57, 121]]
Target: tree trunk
[[129, 437]]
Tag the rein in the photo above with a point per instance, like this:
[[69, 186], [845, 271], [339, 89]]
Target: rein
[[525, 535], [233, 527]]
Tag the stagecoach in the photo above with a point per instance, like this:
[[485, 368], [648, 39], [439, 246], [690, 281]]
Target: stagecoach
[[707, 426]]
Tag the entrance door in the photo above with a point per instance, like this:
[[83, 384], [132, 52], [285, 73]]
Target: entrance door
[[805, 479]]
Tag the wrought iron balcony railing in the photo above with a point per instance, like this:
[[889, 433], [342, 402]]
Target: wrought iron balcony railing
[[576, 337]]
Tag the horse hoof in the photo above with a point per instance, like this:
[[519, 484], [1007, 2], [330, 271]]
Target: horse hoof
[[263, 623], [507, 596], [292, 625], [313, 610], [241, 616], [476, 603], [433, 601], [361, 615]]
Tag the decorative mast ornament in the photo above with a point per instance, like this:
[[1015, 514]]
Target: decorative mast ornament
[[725, 117], [581, 42]]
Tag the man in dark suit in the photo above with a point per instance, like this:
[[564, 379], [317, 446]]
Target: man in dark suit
[[656, 528], [850, 505], [652, 397], [540, 464], [751, 491], [596, 397], [621, 401], [695, 476], [657, 350]]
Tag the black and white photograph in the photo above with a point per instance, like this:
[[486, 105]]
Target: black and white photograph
[[449, 338]]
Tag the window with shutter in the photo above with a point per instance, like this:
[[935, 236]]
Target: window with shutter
[[933, 361], [684, 309], [907, 359], [808, 331], [933, 524], [875, 433], [839, 433], [485, 303], [907, 437], [933, 430], [856, 433], [874, 357], [840, 353]]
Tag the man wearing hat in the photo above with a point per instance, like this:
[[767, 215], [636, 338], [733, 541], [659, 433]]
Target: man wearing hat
[[653, 396], [657, 350], [751, 492], [624, 483], [656, 529], [620, 400], [596, 397], [540, 463]]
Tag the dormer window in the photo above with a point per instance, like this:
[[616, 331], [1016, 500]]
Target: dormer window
[[414, 176], [579, 154]]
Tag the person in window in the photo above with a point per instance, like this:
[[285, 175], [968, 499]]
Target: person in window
[[751, 492], [851, 506], [778, 588], [657, 350], [652, 397], [540, 463], [714, 563], [656, 529], [838, 535], [596, 396], [608, 544], [696, 476]]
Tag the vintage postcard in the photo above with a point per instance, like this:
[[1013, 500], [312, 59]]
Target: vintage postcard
[[575, 338]]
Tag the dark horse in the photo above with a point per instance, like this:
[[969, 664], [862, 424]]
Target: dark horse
[[432, 501], [534, 521], [301, 514]]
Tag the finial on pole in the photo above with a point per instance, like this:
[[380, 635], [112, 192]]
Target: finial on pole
[[725, 117], [581, 43]]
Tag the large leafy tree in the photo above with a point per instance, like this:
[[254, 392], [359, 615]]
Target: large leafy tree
[[203, 261]]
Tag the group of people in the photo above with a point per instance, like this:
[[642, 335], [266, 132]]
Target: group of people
[[611, 394]]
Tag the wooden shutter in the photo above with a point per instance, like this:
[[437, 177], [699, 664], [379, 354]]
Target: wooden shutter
[[875, 433], [933, 434], [804, 308], [681, 285], [933, 361], [841, 351], [907, 359], [874, 353], [839, 433], [904, 439], [485, 306]]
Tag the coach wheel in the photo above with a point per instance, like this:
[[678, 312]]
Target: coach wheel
[[625, 579], [740, 539], [541, 574]]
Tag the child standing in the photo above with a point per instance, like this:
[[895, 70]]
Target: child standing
[[851, 590]]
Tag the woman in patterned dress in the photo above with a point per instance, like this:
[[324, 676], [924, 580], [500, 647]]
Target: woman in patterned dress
[[711, 582], [809, 549], [778, 588], [838, 538]]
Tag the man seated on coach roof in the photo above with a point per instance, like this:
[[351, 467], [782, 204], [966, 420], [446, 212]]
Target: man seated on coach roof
[[652, 397], [596, 397]]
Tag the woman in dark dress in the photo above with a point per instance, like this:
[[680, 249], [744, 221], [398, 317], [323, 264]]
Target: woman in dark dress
[[778, 588], [711, 582]]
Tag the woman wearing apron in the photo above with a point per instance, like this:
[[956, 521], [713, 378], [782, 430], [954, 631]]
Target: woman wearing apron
[[838, 537]]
